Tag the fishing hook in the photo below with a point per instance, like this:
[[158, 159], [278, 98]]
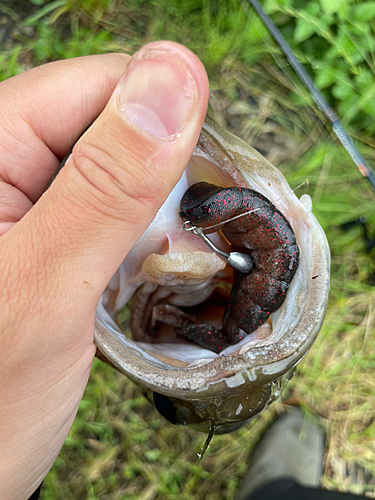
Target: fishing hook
[[240, 262]]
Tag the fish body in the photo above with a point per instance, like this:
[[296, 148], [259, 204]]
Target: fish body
[[169, 269]]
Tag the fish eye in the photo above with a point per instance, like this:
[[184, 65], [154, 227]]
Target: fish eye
[[174, 410]]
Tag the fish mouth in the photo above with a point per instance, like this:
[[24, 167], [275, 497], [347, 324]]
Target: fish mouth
[[171, 268]]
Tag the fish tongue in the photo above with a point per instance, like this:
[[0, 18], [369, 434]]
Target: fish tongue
[[178, 269]]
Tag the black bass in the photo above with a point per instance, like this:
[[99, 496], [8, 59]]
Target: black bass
[[173, 280]]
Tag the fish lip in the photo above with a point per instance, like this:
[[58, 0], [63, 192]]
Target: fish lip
[[238, 372]]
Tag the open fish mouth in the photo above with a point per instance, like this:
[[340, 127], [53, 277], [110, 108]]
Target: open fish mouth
[[169, 269]]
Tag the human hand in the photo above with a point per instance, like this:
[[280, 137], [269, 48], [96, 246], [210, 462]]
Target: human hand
[[58, 250]]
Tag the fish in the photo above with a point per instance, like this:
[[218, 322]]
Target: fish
[[173, 273]]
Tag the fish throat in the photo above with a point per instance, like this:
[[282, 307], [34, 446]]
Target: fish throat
[[255, 229]]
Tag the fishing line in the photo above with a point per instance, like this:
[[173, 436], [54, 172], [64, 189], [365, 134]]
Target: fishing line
[[192, 227]]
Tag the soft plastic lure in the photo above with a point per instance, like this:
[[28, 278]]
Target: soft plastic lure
[[266, 235]]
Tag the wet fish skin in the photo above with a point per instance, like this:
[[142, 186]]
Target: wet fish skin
[[248, 380]]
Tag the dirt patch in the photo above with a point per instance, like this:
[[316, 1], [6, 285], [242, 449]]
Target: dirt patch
[[12, 15]]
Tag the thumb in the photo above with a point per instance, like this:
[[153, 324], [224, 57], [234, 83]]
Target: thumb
[[57, 260], [117, 177]]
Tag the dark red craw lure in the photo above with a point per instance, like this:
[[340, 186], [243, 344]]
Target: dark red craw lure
[[266, 235]]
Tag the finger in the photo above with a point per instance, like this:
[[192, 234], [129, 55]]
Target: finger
[[110, 189], [44, 111], [56, 262]]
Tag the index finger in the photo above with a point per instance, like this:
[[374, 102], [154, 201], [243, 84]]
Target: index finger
[[45, 110]]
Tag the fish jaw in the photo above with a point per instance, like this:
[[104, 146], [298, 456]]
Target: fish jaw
[[256, 364]]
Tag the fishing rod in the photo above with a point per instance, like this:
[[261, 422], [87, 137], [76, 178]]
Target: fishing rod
[[337, 126], [317, 96]]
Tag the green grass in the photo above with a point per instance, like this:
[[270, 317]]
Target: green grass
[[119, 447]]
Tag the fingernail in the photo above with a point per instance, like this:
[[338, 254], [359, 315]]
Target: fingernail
[[158, 93]]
